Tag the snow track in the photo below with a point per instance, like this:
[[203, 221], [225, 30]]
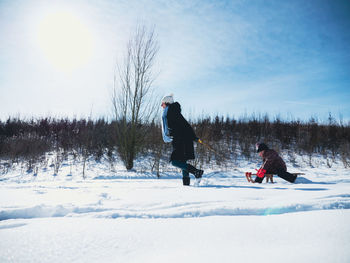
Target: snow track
[[167, 198], [130, 217]]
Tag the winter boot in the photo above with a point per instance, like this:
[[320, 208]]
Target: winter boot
[[295, 178], [186, 180], [196, 172]]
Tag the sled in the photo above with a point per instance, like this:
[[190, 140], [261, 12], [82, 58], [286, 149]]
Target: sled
[[269, 177]]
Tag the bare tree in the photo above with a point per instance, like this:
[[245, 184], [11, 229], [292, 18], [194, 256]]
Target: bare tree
[[133, 101]]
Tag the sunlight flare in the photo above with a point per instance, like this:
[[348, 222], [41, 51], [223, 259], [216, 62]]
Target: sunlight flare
[[66, 42]]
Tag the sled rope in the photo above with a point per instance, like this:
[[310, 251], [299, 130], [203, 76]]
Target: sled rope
[[206, 145]]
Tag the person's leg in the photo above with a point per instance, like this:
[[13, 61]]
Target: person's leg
[[259, 179], [196, 172], [186, 177], [287, 176], [188, 167], [183, 166], [179, 164]]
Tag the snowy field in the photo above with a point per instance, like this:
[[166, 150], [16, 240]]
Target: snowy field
[[135, 217]]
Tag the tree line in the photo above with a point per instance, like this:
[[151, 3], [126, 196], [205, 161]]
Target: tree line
[[135, 133], [227, 141]]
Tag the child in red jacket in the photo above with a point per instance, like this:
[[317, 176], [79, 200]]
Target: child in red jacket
[[273, 164]]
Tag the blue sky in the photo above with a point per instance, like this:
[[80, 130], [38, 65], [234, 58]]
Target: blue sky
[[286, 58]]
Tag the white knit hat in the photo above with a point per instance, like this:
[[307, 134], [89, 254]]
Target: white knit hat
[[168, 99]]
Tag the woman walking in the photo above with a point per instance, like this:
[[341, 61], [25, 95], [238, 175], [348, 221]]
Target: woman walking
[[178, 131]]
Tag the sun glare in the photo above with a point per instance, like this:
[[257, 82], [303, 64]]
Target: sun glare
[[65, 40]]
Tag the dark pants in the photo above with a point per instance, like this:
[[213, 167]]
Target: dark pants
[[182, 165], [283, 174]]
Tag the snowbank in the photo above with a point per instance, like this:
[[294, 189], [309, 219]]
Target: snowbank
[[135, 217]]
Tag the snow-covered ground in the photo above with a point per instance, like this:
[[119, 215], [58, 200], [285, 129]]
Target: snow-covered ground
[[135, 217]]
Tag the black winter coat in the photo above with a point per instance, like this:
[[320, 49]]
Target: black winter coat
[[182, 133], [273, 162]]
